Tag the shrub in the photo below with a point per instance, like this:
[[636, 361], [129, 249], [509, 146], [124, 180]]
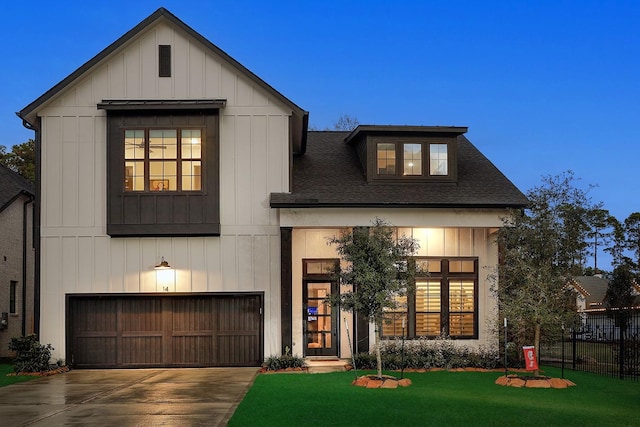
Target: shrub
[[430, 353], [275, 363], [31, 356]]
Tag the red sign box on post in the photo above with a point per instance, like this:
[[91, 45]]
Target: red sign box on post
[[531, 363]]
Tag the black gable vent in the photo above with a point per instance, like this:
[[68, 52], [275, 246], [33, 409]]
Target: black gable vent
[[164, 60]]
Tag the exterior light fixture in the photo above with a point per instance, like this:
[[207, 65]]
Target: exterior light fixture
[[164, 265]]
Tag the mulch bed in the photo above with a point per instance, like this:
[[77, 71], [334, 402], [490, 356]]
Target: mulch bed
[[56, 371]]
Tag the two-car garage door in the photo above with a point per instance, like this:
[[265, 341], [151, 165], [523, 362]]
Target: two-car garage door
[[137, 330]]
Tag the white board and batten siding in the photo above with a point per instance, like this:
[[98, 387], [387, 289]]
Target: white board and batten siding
[[77, 254]]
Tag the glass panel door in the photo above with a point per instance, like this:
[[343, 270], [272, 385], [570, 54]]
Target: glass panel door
[[320, 321]]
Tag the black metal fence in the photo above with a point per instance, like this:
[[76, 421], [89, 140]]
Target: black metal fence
[[603, 345]]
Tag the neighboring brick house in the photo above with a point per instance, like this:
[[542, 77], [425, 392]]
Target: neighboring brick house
[[163, 151], [16, 258]]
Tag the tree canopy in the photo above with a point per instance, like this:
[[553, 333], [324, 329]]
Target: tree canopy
[[377, 269], [21, 159], [541, 248]]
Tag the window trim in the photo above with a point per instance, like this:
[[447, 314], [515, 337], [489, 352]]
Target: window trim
[[184, 213], [399, 143], [178, 160], [445, 276]]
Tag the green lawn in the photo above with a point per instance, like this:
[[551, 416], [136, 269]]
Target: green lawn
[[11, 379], [437, 399]]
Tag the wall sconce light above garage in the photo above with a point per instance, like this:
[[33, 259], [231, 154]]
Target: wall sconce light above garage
[[165, 277]]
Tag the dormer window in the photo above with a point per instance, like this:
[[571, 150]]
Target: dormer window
[[407, 153], [438, 160]]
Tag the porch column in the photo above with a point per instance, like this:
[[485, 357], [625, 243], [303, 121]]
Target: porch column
[[286, 261]]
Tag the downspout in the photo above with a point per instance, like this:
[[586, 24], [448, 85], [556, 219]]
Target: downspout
[[25, 261], [36, 222]]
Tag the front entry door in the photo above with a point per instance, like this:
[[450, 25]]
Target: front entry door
[[320, 319]]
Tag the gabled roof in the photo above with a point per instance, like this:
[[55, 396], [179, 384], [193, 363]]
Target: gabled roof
[[594, 290], [329, 175], [301, 117], [12, 185]]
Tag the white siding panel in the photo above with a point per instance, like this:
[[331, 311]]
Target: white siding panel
[[70, 176], [245, 260], [261, 263], [52, 309], [213, 264], [243, 170], [149, 64], [101, 265], [100, 85], [85, 93], [278, 154], [244, 92], [116, 270], [451, 242], [100, 174], [51, 172], [86, 171], [85, 256], [196, 71], [229, 263], [148, 281], [228, 191], [132, 71], [259, 171], [181, 264], [198, 264], [228, 85], [132, 265], [180, 73], [69, 264], [213, 77], [116, 77]]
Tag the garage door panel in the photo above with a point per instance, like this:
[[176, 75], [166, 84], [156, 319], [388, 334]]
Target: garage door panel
[[193, 350], [141, 351], [99, 351], [152, 330]]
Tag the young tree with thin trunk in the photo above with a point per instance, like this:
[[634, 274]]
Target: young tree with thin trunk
[[378, 271], [541, 248]]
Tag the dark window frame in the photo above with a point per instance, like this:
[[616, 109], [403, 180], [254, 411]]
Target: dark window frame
[[172, 213], [164, 60], [425, 143], [147, 160], [445, 276], [13, 297]]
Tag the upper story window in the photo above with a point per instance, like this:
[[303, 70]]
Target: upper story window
[[163, 159], [407, 153], [163, 171], [438, 159], [406, 159]]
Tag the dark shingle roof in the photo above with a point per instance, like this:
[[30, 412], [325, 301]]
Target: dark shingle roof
[[329, 174], [12, 185]]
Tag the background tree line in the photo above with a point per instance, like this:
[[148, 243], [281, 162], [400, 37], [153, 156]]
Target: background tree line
[[551, 241]]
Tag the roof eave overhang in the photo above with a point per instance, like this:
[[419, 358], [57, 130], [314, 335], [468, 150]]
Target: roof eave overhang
[[159, 104], [306, 203], [416, 130]]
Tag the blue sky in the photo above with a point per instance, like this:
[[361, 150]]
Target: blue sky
[[544, 86]]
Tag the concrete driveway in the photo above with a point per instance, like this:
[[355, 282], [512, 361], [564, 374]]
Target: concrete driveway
[[125, 397]]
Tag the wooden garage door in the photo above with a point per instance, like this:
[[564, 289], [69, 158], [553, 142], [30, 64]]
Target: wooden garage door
[[136, 331]]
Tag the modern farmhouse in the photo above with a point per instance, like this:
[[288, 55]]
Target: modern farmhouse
[[184, 210]]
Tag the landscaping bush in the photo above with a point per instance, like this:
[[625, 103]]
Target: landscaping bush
[[430, 353], [31, 356], [275, 363]]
